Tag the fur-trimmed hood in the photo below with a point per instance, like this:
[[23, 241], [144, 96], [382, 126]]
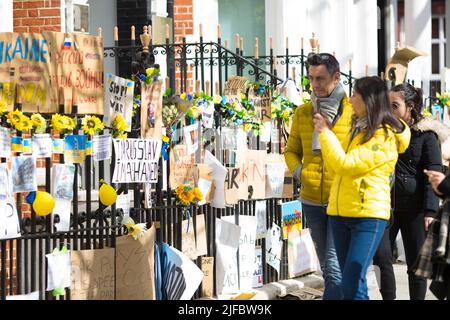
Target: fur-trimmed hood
[[429, 124]]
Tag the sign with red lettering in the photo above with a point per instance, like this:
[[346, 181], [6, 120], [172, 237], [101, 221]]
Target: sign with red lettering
[[77, 64], [252, 176]]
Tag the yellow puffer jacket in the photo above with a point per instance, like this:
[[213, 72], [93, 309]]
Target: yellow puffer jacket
[[315, 179], [361, 185]]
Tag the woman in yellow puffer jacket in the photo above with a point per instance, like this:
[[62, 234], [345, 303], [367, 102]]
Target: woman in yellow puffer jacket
[[359, 204]]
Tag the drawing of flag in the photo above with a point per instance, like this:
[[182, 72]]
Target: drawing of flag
[[27, 146], [16, 144], [67, 43]]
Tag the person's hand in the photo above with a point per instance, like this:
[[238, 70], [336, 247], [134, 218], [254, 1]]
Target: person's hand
[[435, 178], [427, 221], [320, 123]]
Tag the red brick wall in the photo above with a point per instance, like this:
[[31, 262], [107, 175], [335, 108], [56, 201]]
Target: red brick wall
[[36, 15], [184, 15]]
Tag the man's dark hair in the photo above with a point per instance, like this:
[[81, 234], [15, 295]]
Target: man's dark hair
[[326, 59]]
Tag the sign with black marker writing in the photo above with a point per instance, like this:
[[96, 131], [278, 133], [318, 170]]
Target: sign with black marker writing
[[118, 99], [136, 160]]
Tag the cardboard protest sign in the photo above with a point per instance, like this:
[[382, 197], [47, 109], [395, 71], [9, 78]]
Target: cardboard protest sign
[[136, 160], [25, 66], [262, 102], [291, 217], [234, 87], [258, 271], [24, 174], [246, 250], [193, 241], [93, 274], [135, 262], [77, 64], [232, 186], [180, 276], [288, 186], [181, 166], [227, 243], [252, 176], [302, 256], [151, 110], [397, 66], [208, 272], [119, 99]]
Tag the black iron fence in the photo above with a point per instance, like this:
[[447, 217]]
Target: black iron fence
[[22, 260]]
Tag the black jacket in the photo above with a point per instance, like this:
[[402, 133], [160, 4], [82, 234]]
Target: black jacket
[[412, 193]]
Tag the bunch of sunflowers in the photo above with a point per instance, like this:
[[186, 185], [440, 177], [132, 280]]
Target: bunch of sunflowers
[[119, 126], [39, 123], [187, 195], [19, 121], [63, 124], [91, 125]]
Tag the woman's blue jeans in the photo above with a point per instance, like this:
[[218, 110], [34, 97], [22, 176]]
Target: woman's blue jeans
[[356, 240]]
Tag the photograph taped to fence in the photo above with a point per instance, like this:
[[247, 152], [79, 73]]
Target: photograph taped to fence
[[24, 174], [136, 160]]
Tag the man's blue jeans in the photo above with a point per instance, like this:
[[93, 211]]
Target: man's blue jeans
[[356, 241], [317, 220]]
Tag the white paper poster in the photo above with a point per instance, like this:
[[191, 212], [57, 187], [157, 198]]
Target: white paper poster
[[62, 181], [191, 138], [181, 277], [204, 186], [246, 250], [118, 99], [9, 220], [258, 271], [227, 243], [101, 146], [229, 140], [266, 130], [59, 270], [219, 174], [123, 202], [5, 143], [24, 174], [274, 245], [42, 145], [275, 179], [136, 160], [148, 195], [261, 216], [62, 209], [207, 110], [30, 296]]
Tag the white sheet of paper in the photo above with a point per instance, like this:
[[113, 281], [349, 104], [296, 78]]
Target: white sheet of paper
[[303, 254], [191, 138], [266, 132], [207, 110], [261, 216], [227, 243], [228, 138], [258, 271], [101, 147], [274, 245], [246, 250], [204, 186], [30, 296], [6, 188], [275, 179], [219, 174], [241, 140], [62, 209], [123, 202], [9, 220], [59, 270], [148, 195], [5, 143], [42, 145]]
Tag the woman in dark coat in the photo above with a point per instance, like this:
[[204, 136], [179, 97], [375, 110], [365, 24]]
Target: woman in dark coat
[[413, 199]]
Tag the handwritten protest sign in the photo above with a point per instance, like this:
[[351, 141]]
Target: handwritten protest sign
[[181, 166], [252, 176], [258, 273], [151, 110], [234, 87], [262, 102], [135, 262], [232, 186], [92, 274], [136, 160], [275, 179], [77, 64], [24, 66], [119, 99], [207, 282]]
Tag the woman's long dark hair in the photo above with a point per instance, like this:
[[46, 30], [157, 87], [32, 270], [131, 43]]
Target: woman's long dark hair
[[374, 92], [413, 98]]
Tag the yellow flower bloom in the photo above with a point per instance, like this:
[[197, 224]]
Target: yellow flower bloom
[[247, 127], [183, 96], [15, 117], [121, 135], [198, 194], [136, 230], [69, 123], [237, 106], [58, 122], [194, 112], [91, 125], [25, 124], [217, 99], [286, 114], [38, 120], [119, 123]]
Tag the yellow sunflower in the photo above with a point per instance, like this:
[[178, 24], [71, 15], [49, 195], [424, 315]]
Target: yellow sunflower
[[121, 135], [58, 122], [69, 123], [198, 194], [2, 107], [136, 230], [119, 123], [247, 127], [25, 124], [15, 117], [37, 120], [91, 125]]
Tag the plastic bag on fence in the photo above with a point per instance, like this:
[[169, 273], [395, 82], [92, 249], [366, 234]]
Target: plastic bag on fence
[[302, 256]]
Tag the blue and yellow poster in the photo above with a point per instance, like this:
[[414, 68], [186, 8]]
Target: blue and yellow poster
[[74, 148], [291, 217]]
